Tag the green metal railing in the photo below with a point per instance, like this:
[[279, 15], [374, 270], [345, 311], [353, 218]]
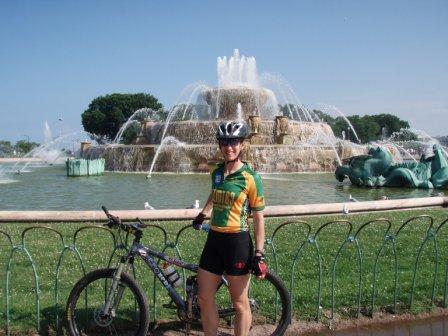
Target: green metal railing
[[351, 246]]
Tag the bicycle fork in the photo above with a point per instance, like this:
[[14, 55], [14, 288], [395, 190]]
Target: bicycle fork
[[114, 296]]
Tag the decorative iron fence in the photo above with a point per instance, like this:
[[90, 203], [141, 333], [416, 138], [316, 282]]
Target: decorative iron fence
[[350, 266]]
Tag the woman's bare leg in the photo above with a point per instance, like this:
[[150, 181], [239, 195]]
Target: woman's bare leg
[[239, 289], [207, 285]]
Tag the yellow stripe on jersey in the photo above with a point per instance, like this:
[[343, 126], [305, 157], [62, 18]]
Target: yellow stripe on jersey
[[256, 202]]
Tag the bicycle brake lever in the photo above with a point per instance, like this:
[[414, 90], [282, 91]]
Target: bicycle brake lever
[[109, 224], [111, 217], [142, 225]]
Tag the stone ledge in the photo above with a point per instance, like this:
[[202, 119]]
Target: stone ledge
[[187, 214]]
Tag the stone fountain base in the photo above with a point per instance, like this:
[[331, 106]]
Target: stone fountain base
[[279, 158], [281, 130]]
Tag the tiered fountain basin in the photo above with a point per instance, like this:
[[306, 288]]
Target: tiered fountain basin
[[223, 101], [262, 132], [279, 145]]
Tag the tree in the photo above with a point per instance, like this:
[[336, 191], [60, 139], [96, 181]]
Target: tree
[[389, 124], [106, 114], [24, 146], [6, 149], [325, 117], [366, 127]]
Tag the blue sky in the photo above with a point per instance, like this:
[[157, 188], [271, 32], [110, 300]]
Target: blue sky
[[365, 57]]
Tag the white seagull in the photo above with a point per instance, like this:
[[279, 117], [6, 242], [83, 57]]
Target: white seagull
[[195, 205], [352, 199], [148, 207]]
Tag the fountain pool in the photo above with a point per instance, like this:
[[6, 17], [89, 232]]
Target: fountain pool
[[48, 188]]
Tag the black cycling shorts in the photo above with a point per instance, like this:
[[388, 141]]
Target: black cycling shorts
[[229, 253]]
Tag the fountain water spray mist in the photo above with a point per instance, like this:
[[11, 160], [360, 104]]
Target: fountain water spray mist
[[166, 141], [237, 71]]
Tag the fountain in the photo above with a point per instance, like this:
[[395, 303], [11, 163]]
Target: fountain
[[288, 140], [53, 151]]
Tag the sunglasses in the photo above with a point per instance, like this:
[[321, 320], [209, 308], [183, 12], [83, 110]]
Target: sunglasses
[[232, 142]]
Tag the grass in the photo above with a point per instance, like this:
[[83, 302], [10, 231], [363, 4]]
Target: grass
[[45, 242]]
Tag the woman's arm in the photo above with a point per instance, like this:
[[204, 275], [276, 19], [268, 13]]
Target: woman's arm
[[208, 205], [259, 232], [259, 267]]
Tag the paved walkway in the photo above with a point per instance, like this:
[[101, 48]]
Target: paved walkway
[[7, 160]]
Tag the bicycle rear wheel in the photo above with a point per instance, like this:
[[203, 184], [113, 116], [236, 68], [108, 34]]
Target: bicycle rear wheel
[[270, 305], [87, 299]]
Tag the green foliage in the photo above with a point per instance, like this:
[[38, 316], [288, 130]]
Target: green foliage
[[130, 134], [21, 147], [6, 149], [24, 147], [368, 127], [390, 122], [106, 114]]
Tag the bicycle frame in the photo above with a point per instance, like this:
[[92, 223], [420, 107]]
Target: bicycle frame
[[148, 255]]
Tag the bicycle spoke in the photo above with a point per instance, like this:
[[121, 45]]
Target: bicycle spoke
[[125, 318]]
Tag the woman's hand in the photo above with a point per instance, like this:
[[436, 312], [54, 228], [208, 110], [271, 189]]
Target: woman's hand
[[197, 222], [259, 266]]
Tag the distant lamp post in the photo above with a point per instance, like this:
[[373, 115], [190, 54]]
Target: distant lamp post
[[60, 126]]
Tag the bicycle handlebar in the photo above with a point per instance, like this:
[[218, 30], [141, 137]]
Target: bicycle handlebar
[[115, 222]]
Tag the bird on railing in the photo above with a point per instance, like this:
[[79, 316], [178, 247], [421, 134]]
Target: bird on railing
[[345, 209], [148, 207], [352, 199], [195, 205]]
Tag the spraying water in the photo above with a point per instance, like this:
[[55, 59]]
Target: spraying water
[[135, 119], [239, 112], [47, 133], [237, 71], [327, 108], [165, 142]]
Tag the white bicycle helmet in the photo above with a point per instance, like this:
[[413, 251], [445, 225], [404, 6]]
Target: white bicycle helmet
[[232, 130]]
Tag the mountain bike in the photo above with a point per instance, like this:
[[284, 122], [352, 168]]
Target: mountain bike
[[110, 301]]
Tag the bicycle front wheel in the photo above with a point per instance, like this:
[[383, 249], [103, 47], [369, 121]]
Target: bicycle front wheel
[[86, 315]]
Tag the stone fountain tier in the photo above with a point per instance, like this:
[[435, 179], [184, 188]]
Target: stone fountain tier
[[262, 132], [200, 158], [223, 102]]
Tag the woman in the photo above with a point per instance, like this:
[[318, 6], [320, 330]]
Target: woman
[[236, 191]]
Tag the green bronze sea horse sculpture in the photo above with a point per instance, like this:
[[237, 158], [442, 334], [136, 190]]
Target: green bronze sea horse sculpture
[[376, 170]]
